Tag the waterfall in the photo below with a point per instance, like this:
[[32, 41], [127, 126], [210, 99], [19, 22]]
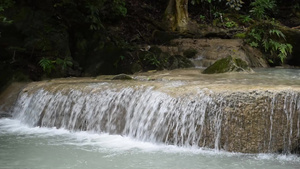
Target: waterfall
[[254, 120]]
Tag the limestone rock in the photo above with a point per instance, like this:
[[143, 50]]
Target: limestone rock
[[293, 37], [207, 51], [122, 77], [5, 115], [228, 64]]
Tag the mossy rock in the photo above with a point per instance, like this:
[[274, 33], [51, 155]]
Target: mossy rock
[[135, 67], [184, 62], [240, 35], [228, 64], [162, 37], [122, 77], [156, 50], [190, 53]]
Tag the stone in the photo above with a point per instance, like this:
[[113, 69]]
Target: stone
[[122, 77], [292, 37], [190, 53], [228, 64], [210, 50], [135, 67], [5, 115]]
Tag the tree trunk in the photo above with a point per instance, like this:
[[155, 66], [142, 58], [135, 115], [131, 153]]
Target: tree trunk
[[176, 15]]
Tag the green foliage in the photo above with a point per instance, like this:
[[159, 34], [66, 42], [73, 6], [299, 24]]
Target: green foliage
[[266, 35], [93, 12], [260, 7], [4, 4], [230, 24], [202, 17], [240, 35], [102, 9], [64, 63], [119, 7], [234, 4], [245, 19], [49, 65], [217, 14], [150, 59]]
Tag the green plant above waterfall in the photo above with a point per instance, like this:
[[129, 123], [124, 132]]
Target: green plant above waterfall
[[101, 37], [58, 64], [268, 36]]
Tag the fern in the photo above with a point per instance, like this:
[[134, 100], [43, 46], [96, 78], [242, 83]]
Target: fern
[[64, 63], [267, 36], [277, 32], [259, 8], [253, 44], [47, 65], [50, 65]]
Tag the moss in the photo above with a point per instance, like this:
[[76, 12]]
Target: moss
[[220, 66], [156, 50], [136, 68], [184, 62], [190, 53], [240, 35], [228, 64], [122, 77], [162, 37]]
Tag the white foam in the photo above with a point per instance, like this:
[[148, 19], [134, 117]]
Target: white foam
[[278, 157], [116, 144], [103, 141]]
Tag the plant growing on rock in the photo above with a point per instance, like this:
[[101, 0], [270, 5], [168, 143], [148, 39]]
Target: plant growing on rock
[[230, 24], [49, 65], [267, 35], [261, 7]]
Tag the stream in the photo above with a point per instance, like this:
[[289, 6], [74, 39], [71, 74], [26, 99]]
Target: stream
[[169, 119]]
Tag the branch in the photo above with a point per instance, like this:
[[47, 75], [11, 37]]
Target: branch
[[296, 27]]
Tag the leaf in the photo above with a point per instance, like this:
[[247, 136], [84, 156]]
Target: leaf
[[47, 65], [289, 48], [277, 32], [266, 45], [254, 44]]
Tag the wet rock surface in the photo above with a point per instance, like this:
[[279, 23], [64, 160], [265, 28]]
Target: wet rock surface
[[174, 107], [211, 50], [228, 64]]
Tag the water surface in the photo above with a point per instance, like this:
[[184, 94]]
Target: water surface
[[47, 148]]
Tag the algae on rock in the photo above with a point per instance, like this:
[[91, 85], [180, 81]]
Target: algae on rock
[[228, 64]]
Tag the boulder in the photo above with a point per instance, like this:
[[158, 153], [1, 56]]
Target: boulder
[[5, 115], [204, 52], [293, 37], [122, 77], [228, 64]]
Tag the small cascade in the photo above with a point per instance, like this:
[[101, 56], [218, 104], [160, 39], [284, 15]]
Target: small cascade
[[252, 121], [198, 61]]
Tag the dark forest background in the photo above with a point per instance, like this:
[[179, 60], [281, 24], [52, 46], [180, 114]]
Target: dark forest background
[[62, 38]]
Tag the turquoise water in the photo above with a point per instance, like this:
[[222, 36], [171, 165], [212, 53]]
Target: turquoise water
[[24, 147]]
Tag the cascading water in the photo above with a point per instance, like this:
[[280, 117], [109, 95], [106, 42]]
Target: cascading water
[[235, 118], [177, 119]]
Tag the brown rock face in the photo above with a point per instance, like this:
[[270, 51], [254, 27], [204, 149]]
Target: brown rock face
[[238, 118], [211, 50], [260, 121]]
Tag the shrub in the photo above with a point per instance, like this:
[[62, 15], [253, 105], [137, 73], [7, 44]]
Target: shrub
[[266, 35]]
